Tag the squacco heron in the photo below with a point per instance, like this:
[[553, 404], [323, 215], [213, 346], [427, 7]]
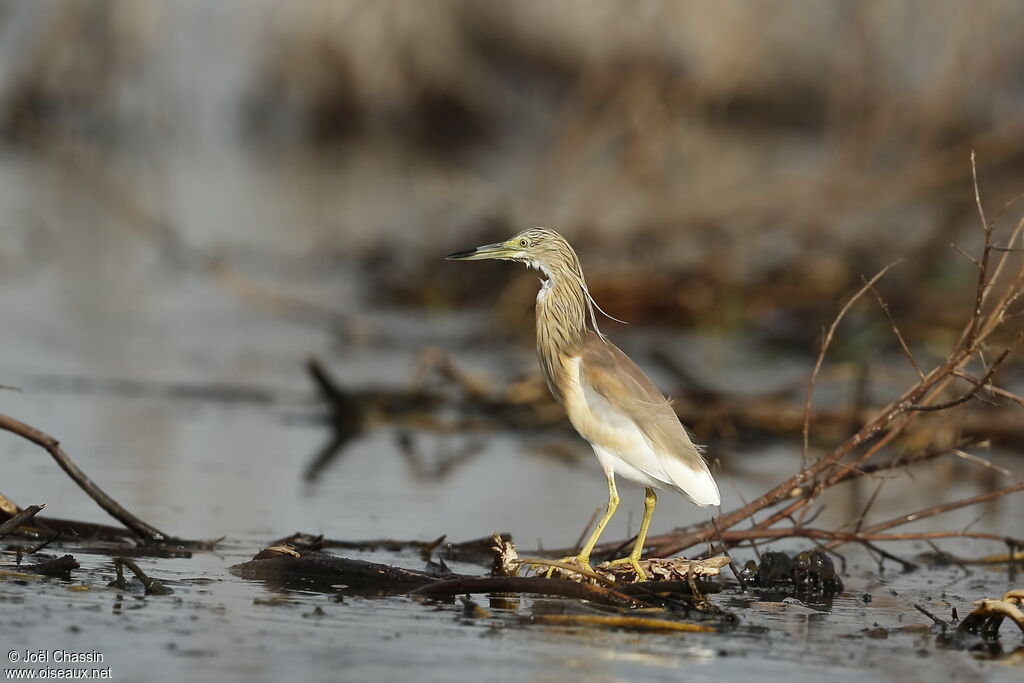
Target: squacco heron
[[610, 401]]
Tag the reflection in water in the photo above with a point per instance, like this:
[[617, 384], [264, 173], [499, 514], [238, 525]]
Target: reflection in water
[[346, 418], [445, 461]]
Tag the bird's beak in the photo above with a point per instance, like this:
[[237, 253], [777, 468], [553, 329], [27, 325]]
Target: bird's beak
[[498, 250]]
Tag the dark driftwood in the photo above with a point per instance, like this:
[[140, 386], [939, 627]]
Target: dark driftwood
[[473, 550], [43, 525], [59, 567], [114, 550], [315, 569], [17, 520], [106, 539], [298, 562]]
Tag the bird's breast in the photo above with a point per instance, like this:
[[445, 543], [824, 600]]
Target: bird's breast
[[593, 416]]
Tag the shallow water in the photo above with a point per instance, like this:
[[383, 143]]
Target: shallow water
[[217, 627]]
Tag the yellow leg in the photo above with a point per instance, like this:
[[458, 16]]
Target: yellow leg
[[613, 504], [583, 559], [650, 500]]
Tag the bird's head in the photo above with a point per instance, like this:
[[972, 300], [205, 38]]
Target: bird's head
[[540, 248], [548, 252]]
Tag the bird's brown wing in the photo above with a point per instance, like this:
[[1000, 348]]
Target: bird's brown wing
[[607, 371]]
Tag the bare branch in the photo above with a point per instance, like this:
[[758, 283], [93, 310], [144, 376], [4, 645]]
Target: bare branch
[[921, 408], [940, 509], [1003, 393], [838, 538], [52, 446]]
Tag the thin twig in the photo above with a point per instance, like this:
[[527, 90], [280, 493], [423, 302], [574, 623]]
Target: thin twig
[[838, 538], [982, 288], [907, 565], [921, 408], [981, 461], [977, 193], [867, 507], [938, 622], [899, 461], [896, 331], [53, 537], [998, 391], [967, 256], [940, 509], [824, 348]]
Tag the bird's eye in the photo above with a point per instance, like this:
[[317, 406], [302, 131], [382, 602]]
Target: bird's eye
[[524, 243]]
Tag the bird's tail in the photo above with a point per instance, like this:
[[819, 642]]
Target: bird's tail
[[696, 481]]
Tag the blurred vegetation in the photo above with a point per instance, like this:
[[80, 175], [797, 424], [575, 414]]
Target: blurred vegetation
[[732, 165]]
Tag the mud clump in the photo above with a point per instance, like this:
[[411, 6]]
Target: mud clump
[[811, 571]]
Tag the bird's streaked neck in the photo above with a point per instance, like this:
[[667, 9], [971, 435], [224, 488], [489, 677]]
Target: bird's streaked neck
[[561, 309], [561, 325]]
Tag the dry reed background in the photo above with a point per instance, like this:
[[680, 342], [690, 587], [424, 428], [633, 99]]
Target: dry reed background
[[718, 164]]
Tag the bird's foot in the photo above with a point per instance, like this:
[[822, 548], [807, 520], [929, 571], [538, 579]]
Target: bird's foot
[[634, 562], [574, 560]]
